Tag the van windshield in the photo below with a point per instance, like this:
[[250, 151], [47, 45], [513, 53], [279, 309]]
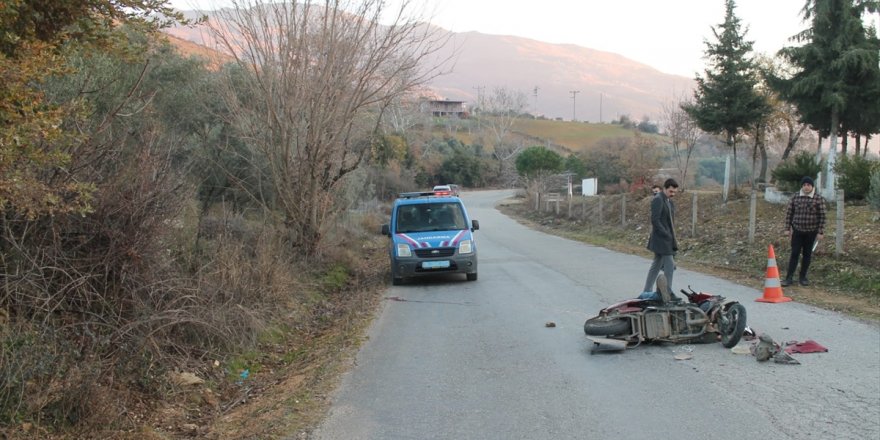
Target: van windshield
[[427, 217]]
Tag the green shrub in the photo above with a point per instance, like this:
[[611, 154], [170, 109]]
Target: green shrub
[[535, 162], [335, 278], [36, 372], [788, 174], [874, 192], [854, 176]]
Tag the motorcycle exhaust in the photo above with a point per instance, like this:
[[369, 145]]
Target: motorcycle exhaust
[[605, 344]]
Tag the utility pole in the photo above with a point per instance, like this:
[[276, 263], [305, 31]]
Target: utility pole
[[479, 90], [479, 105], [536, 101], [574, 104], [601, 95]]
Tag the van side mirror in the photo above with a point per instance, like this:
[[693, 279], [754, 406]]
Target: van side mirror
[[386, 230], [475, 225]]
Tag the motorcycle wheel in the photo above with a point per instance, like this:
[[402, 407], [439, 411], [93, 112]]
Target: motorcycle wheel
[[733, 324], [600, 326]]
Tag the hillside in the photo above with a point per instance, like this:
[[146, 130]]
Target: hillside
[[191, 49], [609, 85]]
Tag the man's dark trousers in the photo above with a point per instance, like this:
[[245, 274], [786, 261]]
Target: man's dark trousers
[[801, 243]]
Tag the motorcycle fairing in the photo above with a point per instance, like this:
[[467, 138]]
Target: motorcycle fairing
[[627, 306]]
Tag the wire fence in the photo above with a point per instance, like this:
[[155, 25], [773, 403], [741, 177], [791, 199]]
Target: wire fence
[[624, 208]]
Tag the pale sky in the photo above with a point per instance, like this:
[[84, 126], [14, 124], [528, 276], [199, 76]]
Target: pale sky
[[665, 34]]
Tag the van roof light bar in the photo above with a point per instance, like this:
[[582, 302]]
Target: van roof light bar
[[412, 195]]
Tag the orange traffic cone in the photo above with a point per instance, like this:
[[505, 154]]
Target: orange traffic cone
[[772, 287]]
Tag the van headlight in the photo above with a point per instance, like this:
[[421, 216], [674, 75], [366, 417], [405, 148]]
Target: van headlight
[[403, 250], [466, 247]]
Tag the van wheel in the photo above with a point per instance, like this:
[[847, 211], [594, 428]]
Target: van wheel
[[472, 276]]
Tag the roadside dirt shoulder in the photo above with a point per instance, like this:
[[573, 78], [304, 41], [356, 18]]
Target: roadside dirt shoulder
[[847, 283]]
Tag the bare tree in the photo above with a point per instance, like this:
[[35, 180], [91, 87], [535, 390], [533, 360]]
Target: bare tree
[[784, 115], [682, 130], [794, 129], [312, 82], [500, 110], [640, 157], [405, 113]]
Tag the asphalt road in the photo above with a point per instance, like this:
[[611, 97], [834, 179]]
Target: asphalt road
[[451, 359]]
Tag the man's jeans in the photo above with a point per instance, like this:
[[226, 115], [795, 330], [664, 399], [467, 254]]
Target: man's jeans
[[665, 262]]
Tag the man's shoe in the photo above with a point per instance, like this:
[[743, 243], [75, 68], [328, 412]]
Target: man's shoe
[[786, 282], [805, 282], [649, 296], [663, 291]]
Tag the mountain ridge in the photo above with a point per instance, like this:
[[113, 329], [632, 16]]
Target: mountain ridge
[[607, 85]]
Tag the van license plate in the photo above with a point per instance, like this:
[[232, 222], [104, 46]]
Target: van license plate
[[435, 264]]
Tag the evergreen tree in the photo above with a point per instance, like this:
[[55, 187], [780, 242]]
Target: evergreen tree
[[726, 99], [862, 115], [538, 162], [573, 164], [836, 86]]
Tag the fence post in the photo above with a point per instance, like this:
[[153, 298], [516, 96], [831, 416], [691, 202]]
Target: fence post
[[753, 212], [838, 249], [623, 209], [584, 208], [569, 206], [537, 201], [601, 198], [694, 216]]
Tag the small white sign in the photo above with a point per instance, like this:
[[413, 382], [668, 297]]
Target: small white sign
[[590, 186]]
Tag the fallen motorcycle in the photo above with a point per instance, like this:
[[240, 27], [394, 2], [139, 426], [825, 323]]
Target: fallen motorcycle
[[702, 318]]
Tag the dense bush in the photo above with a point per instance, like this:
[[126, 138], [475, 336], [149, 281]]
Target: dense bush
[[874, 192], [575, 165], [536, 162], [713, 168], [854, 176], [464, 168], [788, 174]]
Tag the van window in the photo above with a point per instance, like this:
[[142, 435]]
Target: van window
[[426, 217]]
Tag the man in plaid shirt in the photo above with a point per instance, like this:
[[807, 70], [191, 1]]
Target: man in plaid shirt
[[804, 223]]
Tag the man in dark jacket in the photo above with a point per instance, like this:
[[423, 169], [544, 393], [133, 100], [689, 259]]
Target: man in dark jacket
[[804, 223], [662, 241]]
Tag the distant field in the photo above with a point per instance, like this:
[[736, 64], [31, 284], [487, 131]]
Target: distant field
[[575, 136]]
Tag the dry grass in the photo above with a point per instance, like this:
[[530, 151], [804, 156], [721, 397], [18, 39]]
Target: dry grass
[[265, 332]]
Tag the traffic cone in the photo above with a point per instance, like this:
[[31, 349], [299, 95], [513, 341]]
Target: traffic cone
[[772, 287]]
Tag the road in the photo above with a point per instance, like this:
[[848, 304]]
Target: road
[[451, 359]]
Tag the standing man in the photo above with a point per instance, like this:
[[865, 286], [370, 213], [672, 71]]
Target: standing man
[[662, 241], [804, 222]]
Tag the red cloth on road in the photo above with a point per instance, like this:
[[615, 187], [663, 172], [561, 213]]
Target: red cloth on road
[[808, 346]]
